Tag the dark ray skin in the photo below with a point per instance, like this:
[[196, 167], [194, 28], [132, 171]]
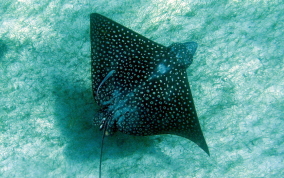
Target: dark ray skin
[[141, 86]]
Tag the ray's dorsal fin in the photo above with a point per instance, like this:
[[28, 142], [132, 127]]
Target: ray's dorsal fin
[[141, 86]]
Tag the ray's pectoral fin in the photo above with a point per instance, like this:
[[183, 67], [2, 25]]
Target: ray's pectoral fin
[[188, 126], [172, 95]]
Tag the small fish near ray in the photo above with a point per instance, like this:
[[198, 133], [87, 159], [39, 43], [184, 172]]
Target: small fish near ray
[[141, 86]]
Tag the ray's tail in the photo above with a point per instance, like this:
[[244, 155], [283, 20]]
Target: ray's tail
[[104, 126]]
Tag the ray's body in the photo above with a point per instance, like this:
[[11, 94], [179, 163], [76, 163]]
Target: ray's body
[[141, 86]]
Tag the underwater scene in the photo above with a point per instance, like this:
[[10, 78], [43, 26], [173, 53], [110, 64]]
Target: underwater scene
[[165, 88]]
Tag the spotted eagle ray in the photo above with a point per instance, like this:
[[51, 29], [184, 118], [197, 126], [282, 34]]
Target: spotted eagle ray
[[140, 86]]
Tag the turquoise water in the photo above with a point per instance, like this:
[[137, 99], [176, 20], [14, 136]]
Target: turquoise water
[[237, 80]]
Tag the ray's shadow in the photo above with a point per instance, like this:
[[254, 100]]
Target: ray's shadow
[[74, 110], [3, 49]]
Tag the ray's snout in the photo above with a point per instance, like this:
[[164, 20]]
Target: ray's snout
[[191, 47], [183, 52]]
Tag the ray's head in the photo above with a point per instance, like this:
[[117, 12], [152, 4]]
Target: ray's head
[[183, 52]]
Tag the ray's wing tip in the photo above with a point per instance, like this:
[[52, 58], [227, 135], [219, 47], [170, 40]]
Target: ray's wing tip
[[203, 145], [205, 148], [95, 15]]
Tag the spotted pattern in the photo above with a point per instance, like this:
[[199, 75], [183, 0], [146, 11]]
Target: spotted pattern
[[142, 86]]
